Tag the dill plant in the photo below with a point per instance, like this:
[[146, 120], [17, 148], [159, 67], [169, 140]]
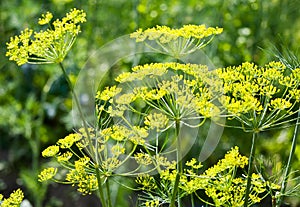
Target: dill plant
[[14, 200], [290, 59], [177, 42], [141, 120], [260, 98]]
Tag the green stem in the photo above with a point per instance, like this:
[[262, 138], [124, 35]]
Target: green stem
[[289, 163], [108, 194], [192, 200], [101, 195], [250, 168], [172, 204], [179, 167], [90, 145]]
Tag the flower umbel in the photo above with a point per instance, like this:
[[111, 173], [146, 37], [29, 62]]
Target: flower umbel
[[50, 151], [49, 46], [261, 98], [47, 174], [220, 182], [46, 18], [178, 42], [14, 199]]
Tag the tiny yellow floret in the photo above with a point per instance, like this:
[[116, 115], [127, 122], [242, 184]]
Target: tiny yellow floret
[[46, 18], [15, 199], [50, 151], [47, 174]]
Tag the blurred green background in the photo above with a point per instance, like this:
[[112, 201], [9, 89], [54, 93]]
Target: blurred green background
[[35, 102]]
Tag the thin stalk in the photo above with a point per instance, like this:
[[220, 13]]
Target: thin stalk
[[90, 144], [289, 163], [101, 195], [78, 107], [172, 204], [179, 167], [108, 194], [250, 168], [192, 200]]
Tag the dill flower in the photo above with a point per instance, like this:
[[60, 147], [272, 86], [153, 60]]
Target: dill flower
[[221, 183], [193, 164], [163, 87], [119, 133], [108, 93], [260, 98], [64, 157], [280, 104], [156, 121], [138, 135], [46, 18], [47, 174], [50, 151], [110, 164], [231, 160], [126, 98], [154, 203], [146, 181], [82, 177], [69, 140], [158, 97], [49, 46], [177, 42], [14, 200], [143, 158], [117, 150]]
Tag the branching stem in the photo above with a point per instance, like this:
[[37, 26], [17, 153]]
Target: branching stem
[[289, 163]]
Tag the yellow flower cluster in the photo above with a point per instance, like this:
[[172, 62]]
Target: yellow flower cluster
[[49, 46], [174, 89], [156, 121], [82, 177], [193, 163], [280, 104], [69, 140], [47, 174], [79, 172], [228, 191], [117, 132], [79, 159], [143, 159], [108, 93], [146, 181], [178, 42], [15, 199], [166, 34], [64, 143], [153, 203], [50, 151], [259, 97], [46, 18], [115, 150], [154, 70], [64, 157], [232, 160], [126, 98], [220, 182]]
